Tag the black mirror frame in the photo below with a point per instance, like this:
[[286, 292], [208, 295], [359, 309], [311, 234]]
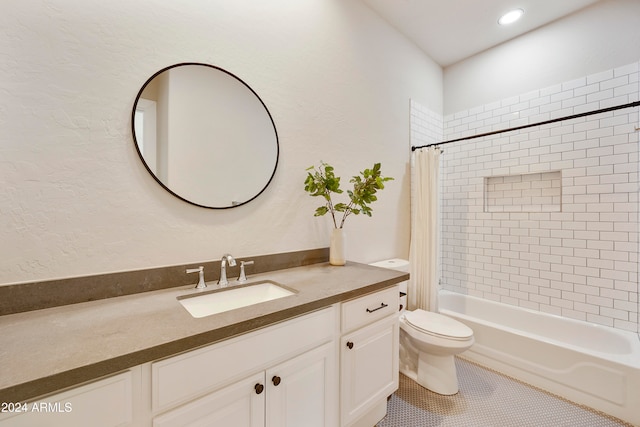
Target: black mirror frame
[[135, 141]]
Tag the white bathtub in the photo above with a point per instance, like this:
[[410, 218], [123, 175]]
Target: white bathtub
[[589, 364]]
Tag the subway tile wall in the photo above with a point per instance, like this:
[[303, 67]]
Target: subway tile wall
[[426, 125], [579, 260]]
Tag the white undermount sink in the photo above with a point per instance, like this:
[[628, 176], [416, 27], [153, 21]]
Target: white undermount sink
[[225, 299]]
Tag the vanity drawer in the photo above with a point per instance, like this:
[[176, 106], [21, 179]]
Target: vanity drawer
[[187, 376], [369, 308]]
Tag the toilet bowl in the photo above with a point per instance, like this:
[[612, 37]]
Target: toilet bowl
[[428, 342]]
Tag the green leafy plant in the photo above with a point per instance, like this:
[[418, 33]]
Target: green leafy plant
[[321, 181]]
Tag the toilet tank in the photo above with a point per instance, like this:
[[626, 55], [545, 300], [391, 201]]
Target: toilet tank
[[394, 264], [400, 265]]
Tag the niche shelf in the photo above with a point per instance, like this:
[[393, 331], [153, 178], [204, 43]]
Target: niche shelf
[[534, 192]]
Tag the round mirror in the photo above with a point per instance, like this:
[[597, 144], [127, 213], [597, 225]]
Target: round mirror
[[205, 135]]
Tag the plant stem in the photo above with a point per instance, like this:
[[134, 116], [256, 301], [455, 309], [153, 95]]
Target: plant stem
[[347, 211], [333, 214]]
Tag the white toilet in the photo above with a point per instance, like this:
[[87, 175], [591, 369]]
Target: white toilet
[[428, 342]]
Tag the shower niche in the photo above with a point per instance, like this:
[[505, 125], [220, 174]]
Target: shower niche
[[532, 192]]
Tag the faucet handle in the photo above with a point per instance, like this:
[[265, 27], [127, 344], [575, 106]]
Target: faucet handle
[[242, 277], [201, 284]]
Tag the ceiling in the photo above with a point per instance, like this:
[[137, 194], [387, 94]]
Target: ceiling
[[452, 30]]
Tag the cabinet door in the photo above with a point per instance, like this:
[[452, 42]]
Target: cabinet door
[[103, 403], [369, 367], [303, 390], [238, 405]]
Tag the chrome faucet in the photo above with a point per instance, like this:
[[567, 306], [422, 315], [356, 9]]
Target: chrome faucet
[[223, 282]]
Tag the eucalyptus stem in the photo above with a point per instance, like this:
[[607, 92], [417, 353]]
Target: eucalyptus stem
[[323, 182], [347, 212], [333, 213]]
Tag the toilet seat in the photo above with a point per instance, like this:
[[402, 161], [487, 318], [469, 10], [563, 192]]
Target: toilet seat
[[438, 325]]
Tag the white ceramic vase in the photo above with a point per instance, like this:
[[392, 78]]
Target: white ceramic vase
[[337, 248]]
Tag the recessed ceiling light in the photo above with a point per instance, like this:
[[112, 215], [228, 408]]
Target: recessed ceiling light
[[510, 17]]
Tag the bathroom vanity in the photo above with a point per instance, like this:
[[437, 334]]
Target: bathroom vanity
[[325, 356]]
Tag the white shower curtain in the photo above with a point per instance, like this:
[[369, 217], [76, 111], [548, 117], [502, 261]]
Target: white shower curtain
[[423, 254]]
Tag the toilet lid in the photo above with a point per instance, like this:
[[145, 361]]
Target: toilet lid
[[437, 324]]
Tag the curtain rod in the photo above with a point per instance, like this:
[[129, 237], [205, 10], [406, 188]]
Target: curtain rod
[[546, 122]]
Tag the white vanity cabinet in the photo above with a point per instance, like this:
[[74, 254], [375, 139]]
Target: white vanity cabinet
[[369, 350], [295, 393], [107, 402], [331, 367], [281, 376]]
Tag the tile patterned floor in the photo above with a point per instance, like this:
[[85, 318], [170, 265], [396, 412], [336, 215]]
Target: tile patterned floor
[[487, 399]]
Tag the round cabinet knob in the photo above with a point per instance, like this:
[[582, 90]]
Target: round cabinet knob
[[259, 388], [276, 380], [350, 345]]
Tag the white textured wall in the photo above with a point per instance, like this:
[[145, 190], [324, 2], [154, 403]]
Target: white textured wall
[[74, 197], [603, 36]]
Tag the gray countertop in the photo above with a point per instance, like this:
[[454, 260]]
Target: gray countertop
[[50, 349]]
